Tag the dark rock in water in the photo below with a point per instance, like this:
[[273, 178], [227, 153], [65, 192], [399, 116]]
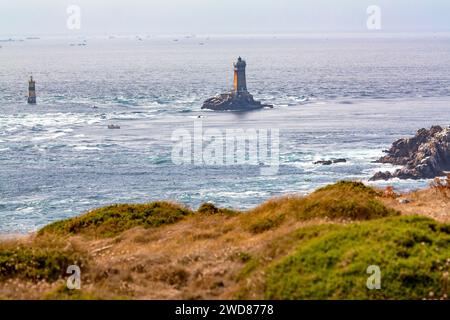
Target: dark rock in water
[[424, 156], [381, 176], [233, 102], [330, 162], [324, 162]]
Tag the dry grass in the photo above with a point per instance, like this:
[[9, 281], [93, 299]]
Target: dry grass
[[442, 185], [433, 203], [209, 254]]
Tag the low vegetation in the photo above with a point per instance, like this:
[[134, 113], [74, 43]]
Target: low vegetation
[[112, 220], [342, 201], [209, 208], [313, 247], [38, 261], [413, 254]]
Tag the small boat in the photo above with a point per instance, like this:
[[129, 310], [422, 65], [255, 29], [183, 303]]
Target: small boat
[[113, 126]]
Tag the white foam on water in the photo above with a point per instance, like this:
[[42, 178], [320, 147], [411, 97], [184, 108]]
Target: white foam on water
[[93, 121], [25, 209], [86, 148], [49, 137], [232, 194]]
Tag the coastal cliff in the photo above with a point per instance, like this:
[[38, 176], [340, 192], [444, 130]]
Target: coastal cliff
[[163, 250]]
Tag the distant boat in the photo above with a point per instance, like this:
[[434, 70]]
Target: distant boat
[[33, 38], [113, 126]]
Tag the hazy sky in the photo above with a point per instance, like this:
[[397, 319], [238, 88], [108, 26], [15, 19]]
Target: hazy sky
[[220, 16]]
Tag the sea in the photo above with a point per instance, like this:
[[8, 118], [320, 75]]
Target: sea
[[334, 96]]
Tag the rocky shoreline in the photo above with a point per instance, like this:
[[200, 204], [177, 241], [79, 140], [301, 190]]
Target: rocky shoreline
[[424, 156]]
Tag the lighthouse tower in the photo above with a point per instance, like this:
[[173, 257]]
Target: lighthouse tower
[[239, 99], [31, 91], [240, 82]]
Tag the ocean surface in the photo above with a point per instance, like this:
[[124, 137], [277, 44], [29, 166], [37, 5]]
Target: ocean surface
[[339, 96]]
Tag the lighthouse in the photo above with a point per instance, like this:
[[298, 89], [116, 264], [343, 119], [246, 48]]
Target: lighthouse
[[240, 82], [31, 91], [239, 99]]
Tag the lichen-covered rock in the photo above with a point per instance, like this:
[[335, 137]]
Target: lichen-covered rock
[[424, 156]]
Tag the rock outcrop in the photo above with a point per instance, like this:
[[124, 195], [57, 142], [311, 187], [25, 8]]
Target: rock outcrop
[[330, 162], [424, 156], [233, 102]]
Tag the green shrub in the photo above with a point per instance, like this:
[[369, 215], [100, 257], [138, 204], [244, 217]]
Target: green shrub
[[265, 224], [345, 200], [63, 293], [341, 201], [349, 187], [112, 220], [35, 263], [243, 256], [211, 209], [412, 252]]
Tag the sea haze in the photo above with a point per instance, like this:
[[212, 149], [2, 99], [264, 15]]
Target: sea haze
[[338, 96]]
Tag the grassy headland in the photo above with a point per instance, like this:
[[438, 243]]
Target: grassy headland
[[293, 247]]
